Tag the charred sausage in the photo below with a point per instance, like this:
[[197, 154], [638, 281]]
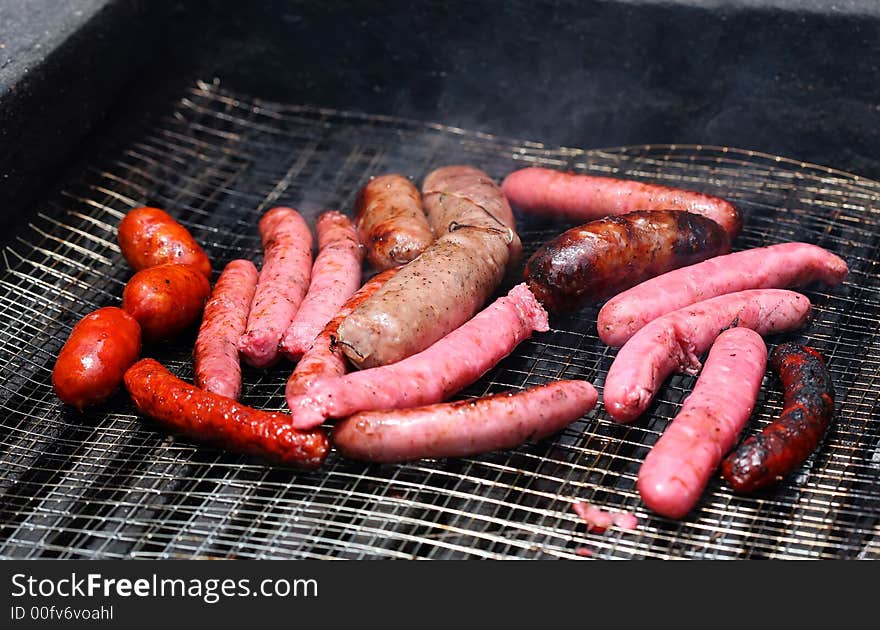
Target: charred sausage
[[166, 299], [150, 237], [217, 368], [604, 257], [449, 282], [775, 267], [336, 274], [433, 375], [100, 348], [588, 197], [675, 341], [391, 222], [220, 420], [783, 445], [283, 283], [679, 465], [464, 427]]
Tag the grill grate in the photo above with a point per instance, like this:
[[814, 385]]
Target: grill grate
[[110, 484]]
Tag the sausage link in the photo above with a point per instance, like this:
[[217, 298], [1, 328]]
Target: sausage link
[[785, 444], [100, 348], [464, 427], [219, 420], [679, 466], [336, 274], [150, 237], [587, 197], [604, 257], [217, 368], [284, 280], [391, 221]]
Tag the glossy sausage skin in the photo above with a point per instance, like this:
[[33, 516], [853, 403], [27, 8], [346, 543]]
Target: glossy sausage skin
[[324, 357], [587, 197], [451, 280], [783, 445], [676, 471], [150, 237], [464, 427], [436, 373], [675, 341], [336, 274], [775, 267], [101, 346], [166, 299], [391, 222], [604, 257], [220, 420], [217, 368], [283, 283]]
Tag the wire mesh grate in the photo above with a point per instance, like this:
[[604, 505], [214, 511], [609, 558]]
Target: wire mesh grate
[[111, 484]]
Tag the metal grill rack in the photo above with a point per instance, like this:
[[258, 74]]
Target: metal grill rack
[[112, 484]]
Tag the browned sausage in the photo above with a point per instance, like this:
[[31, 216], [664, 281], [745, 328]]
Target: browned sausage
[[101, 346], [165, 300], [604, 257], [150, 237]]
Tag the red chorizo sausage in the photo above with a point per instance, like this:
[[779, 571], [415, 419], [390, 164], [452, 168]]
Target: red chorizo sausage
[[100, 348], [150, 237], [219, 420]]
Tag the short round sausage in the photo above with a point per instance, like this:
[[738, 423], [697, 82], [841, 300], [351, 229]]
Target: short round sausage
[[165, 300], [150, 237]]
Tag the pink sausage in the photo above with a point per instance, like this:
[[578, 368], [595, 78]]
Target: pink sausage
[[464, 427], [432, 375], [674, 342], [589, 197], [336, 274], [284, 280], [679, 465], [217, 368], [776, 266]]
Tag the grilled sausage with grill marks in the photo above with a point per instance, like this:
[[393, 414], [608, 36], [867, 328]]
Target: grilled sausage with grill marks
[[436, 373], [217, 368], [675, 341], [588, 197], [679, 465], [774, 267], [166, 299], [391, 221], [336, 274], [282, 285], [783, 445], [604, 257], [90, 366], [448, 282], [464, 427], [150, 237], [220, 420]]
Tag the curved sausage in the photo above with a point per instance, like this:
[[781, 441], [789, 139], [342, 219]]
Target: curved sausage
[[101, 346], [434, 374], [324, 357], [150, 237], [604, 257], [774, 267], [675, 341], [166, 299], [391, 222], [336, 274], [219, 420], [679, 466], [783, 445], [587, 197], [217, 368], [464, 427], [284, 280], [449, 282]]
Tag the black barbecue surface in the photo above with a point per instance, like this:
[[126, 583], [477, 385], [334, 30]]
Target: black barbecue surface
[[110, 483]]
